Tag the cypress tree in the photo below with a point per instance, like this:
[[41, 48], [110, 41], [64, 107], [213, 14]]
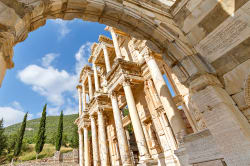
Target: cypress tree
[[59, 133], [19, 140], [3, 139], [40, 137], [75, 137]]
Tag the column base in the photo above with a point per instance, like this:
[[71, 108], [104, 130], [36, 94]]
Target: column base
[[149, 162], [144, 158]]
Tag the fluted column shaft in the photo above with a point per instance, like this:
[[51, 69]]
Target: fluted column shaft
[[106, 58], [96, 158], [168, 104], [138, 130], [80, 100], [121, 135], [96, 78], [83, 98], [81, 158], [86, 147], [116, 44], [90, 87], [103, 140]]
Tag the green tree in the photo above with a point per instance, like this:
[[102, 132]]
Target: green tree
[[3, 140], [25, 146], [18, 146], [40, 137], [74, 142], [12, 142], [59, 136], [65, 140]]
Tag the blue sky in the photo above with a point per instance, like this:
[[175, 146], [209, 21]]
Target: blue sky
[[47, 66]]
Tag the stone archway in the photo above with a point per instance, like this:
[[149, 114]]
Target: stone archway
[[143, 20], [19, 17]]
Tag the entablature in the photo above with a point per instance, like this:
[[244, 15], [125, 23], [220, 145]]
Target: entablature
[[100, 101], [83, 120], [123, 70]]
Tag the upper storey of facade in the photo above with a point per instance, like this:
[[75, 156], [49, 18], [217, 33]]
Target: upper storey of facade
[[113, 59]]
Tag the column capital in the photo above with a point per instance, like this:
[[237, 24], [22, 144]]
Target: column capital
[[92, 117], [113, 94], [147, 54], [100, 111], [79, 88], [103, 46], [80, 130], [126, 82], [86, 124]]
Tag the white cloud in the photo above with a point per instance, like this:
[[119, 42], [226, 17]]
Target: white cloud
[[82, 56], [48, 82], [48, 59], [12, 115], [58, 86], [17, 105], [63, 28]]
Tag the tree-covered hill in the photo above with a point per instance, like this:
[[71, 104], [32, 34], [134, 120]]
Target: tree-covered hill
[[51, 127]]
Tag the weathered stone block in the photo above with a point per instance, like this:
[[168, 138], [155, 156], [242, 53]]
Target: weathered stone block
[[235, 79], [201, 147]]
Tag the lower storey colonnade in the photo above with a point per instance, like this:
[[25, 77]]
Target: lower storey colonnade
[[105, 123]]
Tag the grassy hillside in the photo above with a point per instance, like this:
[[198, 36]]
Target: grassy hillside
[[51, 127], [30, 154]]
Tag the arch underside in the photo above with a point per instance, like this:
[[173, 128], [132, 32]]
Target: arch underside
[[215, 85], [19, 17]]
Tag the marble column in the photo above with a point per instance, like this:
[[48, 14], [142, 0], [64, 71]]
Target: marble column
[[79, 89], [83, 98], [137, 126], [121, 135], [168, 104], [86, 147], [96, 158], [116, 44], [90, 87], [104, 154], [106, 58], [81, 158], [96, 78]]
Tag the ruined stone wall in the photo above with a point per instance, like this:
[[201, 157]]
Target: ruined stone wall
[[220, 32]]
